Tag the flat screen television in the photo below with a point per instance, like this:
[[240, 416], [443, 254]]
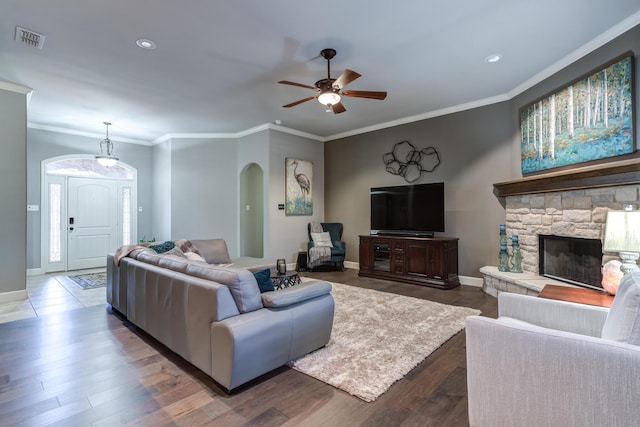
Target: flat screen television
[[411, 210]]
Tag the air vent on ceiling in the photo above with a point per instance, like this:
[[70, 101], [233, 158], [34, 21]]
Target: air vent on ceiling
[[29, 38]]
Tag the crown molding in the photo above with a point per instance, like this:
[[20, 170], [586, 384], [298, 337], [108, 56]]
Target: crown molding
[[170, 136], [423, 116], [15, 87], [241, 134], [296, 132], [87, 134]]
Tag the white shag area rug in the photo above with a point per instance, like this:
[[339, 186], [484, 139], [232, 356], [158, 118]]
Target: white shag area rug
[[378, 337]]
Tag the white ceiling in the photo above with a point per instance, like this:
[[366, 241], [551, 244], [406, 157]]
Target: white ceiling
[[217, 63]]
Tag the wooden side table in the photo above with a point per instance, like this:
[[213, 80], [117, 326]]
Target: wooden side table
[[579, 295]]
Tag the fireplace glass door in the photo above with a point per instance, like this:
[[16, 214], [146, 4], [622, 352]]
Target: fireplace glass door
[[572, 260]]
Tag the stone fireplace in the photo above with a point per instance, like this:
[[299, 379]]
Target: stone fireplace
[[565, 210], [571, 259]]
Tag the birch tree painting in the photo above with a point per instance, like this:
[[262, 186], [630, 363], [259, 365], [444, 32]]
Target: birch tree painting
[[590, 119]]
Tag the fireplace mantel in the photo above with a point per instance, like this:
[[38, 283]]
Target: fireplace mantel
[[625, 172]]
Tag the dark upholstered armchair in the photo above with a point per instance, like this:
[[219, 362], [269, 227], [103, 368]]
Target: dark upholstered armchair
[[338, 249]]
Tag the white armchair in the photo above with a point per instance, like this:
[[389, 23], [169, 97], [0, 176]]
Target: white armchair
[[555, 363]]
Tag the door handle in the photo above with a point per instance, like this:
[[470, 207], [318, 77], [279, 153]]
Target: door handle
[[71, 220]]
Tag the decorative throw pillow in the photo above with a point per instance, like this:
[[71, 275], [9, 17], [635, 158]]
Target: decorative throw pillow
[[193, 256], [175, 251], [163, 247], [263, 277], [623, 319], [321, 239], [214, 251]]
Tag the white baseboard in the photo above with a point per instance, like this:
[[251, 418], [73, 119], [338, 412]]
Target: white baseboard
[[471, 281], [352, 265], [35, 271], [13, 296]]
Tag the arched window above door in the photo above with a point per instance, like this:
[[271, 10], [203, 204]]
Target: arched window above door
[[87, 168]]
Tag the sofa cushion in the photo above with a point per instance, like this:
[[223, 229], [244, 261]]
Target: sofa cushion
[[149, 257], [214, 251], [295, 294], [623, 319], [134, 253], [173, 262], [263, 277], [243, 286]]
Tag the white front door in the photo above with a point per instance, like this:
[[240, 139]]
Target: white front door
[[92, 221]]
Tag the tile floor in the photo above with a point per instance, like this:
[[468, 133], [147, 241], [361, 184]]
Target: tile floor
[[52, 293]]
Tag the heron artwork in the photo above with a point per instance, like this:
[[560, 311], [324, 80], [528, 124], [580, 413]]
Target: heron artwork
[[299, 187]]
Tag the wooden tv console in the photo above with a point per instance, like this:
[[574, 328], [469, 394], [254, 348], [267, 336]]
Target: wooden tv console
[[417, 260]]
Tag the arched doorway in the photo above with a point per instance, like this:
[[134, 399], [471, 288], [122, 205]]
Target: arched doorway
[[252, 211], [88, 211]]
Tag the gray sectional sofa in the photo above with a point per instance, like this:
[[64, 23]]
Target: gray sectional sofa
[[213, 314]]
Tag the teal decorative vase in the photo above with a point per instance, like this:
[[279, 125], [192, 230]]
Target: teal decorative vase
[[503, 234], [503, 255], [516, 256], [503, 258]]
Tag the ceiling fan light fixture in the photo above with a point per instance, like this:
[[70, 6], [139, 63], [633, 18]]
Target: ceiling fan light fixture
[[106, 157], [329, 98]]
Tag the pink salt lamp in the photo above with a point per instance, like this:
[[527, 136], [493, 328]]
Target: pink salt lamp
[[611, 276]]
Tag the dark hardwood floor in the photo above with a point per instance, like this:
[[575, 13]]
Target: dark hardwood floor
[[89, 367]]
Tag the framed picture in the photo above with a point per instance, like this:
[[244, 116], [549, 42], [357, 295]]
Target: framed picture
[[299, 187], [589, 119]]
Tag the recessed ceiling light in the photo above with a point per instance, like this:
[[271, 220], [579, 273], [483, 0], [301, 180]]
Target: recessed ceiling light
[[493, 58], [146, 43]]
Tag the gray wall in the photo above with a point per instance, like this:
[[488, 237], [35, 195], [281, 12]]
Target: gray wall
[[204, 196], [288, 234], [42, 144], [13, 177], [478, 148], [161, 192], [205, 180], [474, 152]]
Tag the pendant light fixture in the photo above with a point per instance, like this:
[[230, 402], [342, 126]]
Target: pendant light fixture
[[106, 157]]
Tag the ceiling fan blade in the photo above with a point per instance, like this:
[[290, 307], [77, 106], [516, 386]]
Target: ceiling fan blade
[[338, 108], [293, 104], [345, 78], [369, 94], [285, 82]]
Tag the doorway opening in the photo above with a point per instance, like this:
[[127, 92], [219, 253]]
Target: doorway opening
[[88, 211], [252, 211]]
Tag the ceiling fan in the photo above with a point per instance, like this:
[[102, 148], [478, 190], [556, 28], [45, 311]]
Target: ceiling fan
[[329, 91]]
